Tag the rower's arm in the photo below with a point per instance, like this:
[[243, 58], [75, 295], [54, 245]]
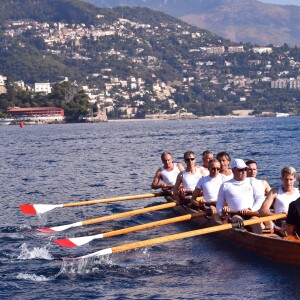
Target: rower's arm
[[265, 208], [267, 187], [180, 167], [175, 189], [258, 195], [221, 200], [197, 193], [156, 180]]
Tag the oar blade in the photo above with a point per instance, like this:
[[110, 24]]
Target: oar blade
[[33, 209], [77, 241], [46, 230], [59, 228], [28, 209], [66, 243]]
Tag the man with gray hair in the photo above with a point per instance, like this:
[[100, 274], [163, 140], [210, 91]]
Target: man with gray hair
[[165, 177]]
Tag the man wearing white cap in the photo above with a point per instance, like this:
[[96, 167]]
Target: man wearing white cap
[[240, 193]]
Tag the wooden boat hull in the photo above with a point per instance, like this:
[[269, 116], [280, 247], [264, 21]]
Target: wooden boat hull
[[270, 246]]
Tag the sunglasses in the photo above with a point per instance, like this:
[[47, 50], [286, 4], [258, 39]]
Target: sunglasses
[[189, 159], [215, 169], [242, 170]]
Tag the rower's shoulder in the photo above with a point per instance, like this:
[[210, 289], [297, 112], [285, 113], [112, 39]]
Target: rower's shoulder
[[180, 166]]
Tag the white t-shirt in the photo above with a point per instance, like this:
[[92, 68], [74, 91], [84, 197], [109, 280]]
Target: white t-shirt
[[210, 187], [245, 194]]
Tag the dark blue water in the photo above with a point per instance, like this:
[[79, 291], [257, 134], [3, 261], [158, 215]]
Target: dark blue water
[[65, 163]]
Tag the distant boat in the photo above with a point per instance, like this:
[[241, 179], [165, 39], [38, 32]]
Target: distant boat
[[6, 121], [282, 114]]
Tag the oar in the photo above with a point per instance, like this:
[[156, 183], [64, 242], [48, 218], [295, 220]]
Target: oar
[[111, 217], [179, 236], [34, 209], [79, 241], [82, 240]]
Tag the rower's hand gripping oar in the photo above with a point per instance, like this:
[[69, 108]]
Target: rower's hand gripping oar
[[178, 236], [33, 209], [79, 241], [110, 217]]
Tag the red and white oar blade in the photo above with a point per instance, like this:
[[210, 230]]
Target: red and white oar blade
[[67, 243], [59, 228], [33, 209], [77, 241]]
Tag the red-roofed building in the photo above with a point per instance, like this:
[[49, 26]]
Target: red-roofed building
[[37, 114]]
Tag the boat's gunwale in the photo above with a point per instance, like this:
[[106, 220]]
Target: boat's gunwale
[[274, 248]]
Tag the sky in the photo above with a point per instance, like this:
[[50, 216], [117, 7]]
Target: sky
[[282, 2]]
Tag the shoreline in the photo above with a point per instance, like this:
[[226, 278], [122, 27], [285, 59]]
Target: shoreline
[[176, 119]]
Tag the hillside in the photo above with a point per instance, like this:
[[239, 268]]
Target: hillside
[[137, 61], [30, 57], [237, 20]]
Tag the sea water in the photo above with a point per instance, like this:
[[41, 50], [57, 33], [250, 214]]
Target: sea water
[[54, 164]]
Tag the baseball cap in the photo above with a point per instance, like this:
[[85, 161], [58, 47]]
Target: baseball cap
[[238, 163]]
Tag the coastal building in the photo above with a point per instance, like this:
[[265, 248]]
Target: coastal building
[[283, 83], [215, 50], [37, 114], [262, 50], [235, 49], [42, 87]]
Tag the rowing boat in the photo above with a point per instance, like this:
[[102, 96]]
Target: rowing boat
[[267, 244]]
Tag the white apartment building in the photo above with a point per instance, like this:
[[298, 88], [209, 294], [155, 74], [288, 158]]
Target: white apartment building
[[42, 87]]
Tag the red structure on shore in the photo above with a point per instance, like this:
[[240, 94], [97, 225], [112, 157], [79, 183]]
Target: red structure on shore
[[35, 112]]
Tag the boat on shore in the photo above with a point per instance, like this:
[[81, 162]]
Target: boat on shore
[[6, 121], [282, 114], [268, 245]]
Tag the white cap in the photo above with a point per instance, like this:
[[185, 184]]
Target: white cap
[[238, 163]]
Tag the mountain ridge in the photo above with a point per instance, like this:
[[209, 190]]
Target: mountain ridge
[[142, 60], [238, 20]]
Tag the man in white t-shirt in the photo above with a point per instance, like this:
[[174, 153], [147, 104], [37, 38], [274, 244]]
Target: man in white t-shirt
[[240, 194], [208, 186]]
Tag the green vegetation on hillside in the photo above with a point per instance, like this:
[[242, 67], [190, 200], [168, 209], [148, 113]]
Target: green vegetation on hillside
[[113, 45]]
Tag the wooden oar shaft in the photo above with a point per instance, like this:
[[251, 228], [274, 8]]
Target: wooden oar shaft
[[192, 233], [129, 213], [107, 200], [154, 224]]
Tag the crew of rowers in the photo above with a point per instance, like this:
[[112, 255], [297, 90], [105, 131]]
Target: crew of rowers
[[231, 189]]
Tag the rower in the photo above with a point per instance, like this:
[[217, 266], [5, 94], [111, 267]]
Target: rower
[[240, 194], [292, 225], [208, 186], [281, 197], [225, 159], [187, 179], [165, 177], [252, 172], [207, 156]]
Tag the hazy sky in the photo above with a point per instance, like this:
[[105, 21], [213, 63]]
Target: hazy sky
[[282, 2]]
